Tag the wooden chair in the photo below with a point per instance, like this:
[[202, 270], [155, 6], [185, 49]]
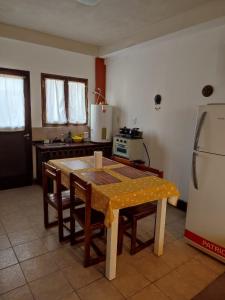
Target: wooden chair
[[91, 220], [54, 196], [130, 216]]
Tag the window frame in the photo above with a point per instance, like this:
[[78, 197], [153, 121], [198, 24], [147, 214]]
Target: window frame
[[27, 99], [66, 79]]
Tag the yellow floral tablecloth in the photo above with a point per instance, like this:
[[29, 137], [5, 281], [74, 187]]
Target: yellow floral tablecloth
[[127, 192]]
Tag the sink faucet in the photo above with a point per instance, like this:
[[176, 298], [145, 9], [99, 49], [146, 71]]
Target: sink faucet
[[56, 140]]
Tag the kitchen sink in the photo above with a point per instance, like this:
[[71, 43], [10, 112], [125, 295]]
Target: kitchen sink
[[53, 145]]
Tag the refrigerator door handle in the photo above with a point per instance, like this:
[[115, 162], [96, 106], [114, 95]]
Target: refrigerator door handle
[[194, 173], [198, 130]]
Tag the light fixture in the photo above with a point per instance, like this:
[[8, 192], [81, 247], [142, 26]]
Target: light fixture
[[157, 100], [89, 2]]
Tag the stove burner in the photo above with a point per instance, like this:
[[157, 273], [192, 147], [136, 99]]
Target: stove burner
[[133, 133]]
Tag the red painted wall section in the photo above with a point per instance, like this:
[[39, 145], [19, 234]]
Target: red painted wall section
[[100, 77]]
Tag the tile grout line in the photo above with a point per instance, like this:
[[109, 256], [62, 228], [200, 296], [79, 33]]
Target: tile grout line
[[175, 269], [6, 233], [50, 251], [150, 283], [26, 283], [99, 280], [58, 270], [142, 288]]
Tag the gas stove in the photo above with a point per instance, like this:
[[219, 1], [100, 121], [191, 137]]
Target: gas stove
[[130, 133], [129, 144]]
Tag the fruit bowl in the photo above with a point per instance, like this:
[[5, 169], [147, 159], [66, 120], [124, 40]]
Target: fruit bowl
[[77, 139]]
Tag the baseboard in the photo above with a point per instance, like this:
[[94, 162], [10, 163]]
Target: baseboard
[[182, 205]]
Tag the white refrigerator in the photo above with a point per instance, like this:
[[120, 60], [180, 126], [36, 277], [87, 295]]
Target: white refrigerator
[[205, 222]]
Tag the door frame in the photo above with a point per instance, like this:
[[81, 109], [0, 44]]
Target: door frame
[[28, 128]]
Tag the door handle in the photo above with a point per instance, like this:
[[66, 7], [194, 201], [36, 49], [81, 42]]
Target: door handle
[[198, 131], [194, 173], [26, 135]]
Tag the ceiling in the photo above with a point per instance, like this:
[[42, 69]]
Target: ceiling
[[109, 22]]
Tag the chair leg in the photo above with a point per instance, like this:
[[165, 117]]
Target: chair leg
[[72, 230], [60, 225], [87, 248], [133, 236], [46, 220]]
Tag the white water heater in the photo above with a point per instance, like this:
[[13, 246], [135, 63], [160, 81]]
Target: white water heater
[[101, 123]]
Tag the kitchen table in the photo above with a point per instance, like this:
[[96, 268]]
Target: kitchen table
[[116, 186]]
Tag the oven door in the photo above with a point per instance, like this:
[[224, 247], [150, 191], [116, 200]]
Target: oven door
[[121, 150]]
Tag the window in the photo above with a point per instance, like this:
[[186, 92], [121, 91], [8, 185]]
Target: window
[[12, 99], [64, 100]]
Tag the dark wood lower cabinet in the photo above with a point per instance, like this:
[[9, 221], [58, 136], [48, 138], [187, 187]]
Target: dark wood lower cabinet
[[44, 153]]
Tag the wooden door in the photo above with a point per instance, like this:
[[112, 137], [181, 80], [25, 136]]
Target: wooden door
[[15, 140]]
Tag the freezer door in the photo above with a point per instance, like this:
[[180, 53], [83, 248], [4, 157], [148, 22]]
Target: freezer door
[[206, 203], [210, 131]]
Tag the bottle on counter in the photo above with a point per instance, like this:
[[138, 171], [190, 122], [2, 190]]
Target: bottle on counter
[[68, 138]]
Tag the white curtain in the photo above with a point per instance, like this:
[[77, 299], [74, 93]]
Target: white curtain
[[12, 110], [77, 105], [55, 102]]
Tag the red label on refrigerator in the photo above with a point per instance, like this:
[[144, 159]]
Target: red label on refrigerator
[[205, 243]]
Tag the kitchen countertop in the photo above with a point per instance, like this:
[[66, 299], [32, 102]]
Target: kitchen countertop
[[43, 146]]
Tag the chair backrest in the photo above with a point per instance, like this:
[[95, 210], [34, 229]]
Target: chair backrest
[[79, 188], [122, 160], [142, 167], [51, 180], [157, 172]]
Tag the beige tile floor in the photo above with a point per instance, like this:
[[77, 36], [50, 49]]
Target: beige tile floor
[[33, 265]]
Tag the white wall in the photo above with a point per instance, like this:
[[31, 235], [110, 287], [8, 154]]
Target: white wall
[[38, 59], [177, 67]]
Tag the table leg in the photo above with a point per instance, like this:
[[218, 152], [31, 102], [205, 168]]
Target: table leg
[[160, 226], [111, 247]]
